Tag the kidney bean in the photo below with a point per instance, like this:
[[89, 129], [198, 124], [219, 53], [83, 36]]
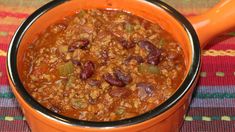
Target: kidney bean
[[119, 92], [138, 59], [82, 44], [88, 70], [154, 57], [127, 44], [125, 78], [148, 46], [144, 90], [113, 80], [154, 52]]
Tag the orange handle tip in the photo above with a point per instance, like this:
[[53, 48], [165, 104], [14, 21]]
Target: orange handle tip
[[216, 21]]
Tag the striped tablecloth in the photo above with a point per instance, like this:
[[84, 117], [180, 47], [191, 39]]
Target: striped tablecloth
[[213, 105]]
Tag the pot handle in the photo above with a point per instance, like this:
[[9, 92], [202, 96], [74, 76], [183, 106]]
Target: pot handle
[[219, 19]]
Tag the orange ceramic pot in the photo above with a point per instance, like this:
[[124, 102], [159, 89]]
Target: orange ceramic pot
[[166, 117]]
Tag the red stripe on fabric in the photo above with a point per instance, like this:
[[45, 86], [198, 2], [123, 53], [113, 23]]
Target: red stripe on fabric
[[14, 126], [3, 79], [4, 46], [221, 43], [216, 81], [211, 111], [8, 28], [218, 60], [211, 65], [4, 43], [212, 126], [6, 39], [13, 14], [10, 111]]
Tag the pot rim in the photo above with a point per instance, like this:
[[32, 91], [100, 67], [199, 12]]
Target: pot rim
[[185, 86]]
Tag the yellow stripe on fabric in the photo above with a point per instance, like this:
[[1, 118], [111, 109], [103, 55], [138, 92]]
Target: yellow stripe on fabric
[[24, 3], [3, 33], [225, 118], [188, 118], [206, 118], [203, 74], [6, 34], [219, 74], [1, 74], [18, 9], [3, 53], [9, 118], [209, 118], [229, 52], [11, 20]]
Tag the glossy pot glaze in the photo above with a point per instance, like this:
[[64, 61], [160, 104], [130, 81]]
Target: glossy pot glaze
[[166, 117]]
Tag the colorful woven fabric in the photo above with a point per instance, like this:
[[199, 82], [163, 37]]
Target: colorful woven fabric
[[213, 104]]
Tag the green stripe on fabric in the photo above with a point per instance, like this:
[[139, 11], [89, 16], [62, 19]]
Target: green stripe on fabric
[[209, 118], [2, 118], [215, 95], [11, 118], [215, 118], [233, 118], [19, 118], [197, 118], [7, 95]]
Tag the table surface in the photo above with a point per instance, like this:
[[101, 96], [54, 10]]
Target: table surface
[[213, 104]]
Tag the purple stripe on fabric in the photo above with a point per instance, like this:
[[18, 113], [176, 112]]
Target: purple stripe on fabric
[[212, 103], [14, 126], [5, 89], [10, 111], [8, 102], [212, 126], [211, 111], [216, 89]]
